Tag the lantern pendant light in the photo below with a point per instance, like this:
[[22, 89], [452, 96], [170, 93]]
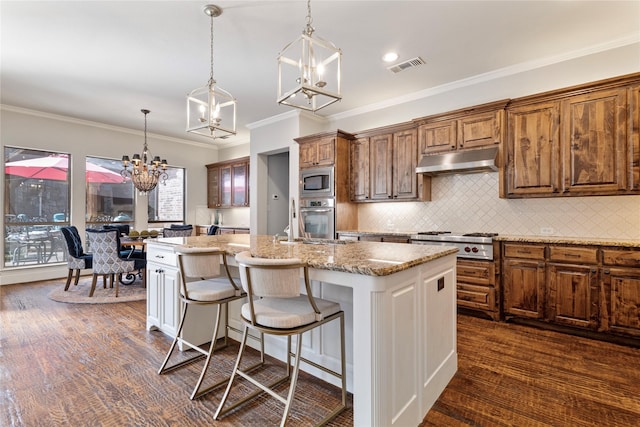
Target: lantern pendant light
[[309, 71], [211, 110]]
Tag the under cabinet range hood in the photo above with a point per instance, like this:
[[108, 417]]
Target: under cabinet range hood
[[470, 161]]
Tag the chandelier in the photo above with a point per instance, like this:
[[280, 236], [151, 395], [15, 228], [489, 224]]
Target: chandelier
[[211, 110], [145, 176], [309, 71]]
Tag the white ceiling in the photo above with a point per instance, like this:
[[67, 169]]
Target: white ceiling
[[105, 60]]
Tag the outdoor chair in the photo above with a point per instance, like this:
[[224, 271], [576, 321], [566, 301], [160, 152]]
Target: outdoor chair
[[76, 258], [107, 262], [203, 284], [276, 307]]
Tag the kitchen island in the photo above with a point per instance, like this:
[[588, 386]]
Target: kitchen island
[[400, 312]]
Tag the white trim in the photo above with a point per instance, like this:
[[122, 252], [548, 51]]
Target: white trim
[[99, 125]]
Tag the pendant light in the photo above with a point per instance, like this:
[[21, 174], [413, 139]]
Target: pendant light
[[145, 176], [211, 110], [309, 71]]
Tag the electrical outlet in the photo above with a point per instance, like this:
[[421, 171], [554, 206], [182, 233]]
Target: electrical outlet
[[546, 230]]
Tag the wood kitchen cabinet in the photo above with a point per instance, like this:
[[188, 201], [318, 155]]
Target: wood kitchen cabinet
[[594, 133], [579, 141], [382, 167], [533, 154], [359, 182], [476, 287], [574, 294], [228, 184], [468, 128], [621, 282], [317, 152], [588, 287], [523, 280]]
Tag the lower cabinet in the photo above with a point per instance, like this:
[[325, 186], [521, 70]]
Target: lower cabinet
[[163, 302], [164, 307], [593, 288], [573, 295], [621, 283], [476, 287], [523, 280]]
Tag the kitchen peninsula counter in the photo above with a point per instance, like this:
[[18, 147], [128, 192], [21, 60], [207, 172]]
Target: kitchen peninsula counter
[[400, 315]]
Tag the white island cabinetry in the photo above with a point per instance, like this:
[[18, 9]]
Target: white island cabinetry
[[400, 316], [163, 298]]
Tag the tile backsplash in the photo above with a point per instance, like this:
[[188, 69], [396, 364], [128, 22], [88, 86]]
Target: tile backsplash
[[470, 203]]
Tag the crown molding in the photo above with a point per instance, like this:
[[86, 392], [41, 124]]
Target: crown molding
[[491, 75]]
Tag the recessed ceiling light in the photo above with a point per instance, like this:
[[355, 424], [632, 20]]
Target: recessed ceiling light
[[390, 57]]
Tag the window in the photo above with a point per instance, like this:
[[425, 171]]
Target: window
[[109, 195], [36, 206], [166, 201]]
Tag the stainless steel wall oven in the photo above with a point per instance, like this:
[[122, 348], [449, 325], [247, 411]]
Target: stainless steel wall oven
[[318, 218]]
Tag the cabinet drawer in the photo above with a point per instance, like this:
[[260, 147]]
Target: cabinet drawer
[[482, 273], [162, 256], [573, 254], [628, 258], [476, 297], [531, 252], [395, 239]]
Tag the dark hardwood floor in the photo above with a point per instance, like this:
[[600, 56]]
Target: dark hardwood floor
[[95, 365]]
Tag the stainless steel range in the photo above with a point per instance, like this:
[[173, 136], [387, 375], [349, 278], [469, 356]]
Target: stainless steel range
[[470, 245]]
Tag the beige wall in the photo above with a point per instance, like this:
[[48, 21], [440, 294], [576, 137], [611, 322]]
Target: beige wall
[[31, 129]]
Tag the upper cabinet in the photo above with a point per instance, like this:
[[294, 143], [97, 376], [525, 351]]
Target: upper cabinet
[[533, 152], [228, 184], [574, 142], [468, 128], [319, 151], [383, 166]]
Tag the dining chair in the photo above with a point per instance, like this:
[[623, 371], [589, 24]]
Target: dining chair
[[213, 230], [178, 231], [107, 262], [275, 306], [76, 258], [125, 251], [202, 283]]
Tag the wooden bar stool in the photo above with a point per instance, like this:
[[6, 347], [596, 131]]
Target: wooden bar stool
[[275, 306]]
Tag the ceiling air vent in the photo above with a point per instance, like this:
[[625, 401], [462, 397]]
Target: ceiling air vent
[[409, 63]]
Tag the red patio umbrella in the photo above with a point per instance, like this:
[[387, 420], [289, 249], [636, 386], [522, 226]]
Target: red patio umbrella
[[56, 167]]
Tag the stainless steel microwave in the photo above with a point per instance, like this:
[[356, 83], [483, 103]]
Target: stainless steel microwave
[[317, 182]]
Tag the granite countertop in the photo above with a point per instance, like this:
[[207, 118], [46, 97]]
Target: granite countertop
[[599, 241], [569, 240], [378, 232], [367, 258]]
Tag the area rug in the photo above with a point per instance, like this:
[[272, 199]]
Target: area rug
[[80, 294]]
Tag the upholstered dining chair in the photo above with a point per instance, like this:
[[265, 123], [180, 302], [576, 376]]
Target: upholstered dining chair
[[105, 245], [178, 231], [76, 258], [126, 252], [203, 283], [275, 306]]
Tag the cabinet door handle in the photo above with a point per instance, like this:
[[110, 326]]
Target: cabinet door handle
[[160, 256], [574, 255]]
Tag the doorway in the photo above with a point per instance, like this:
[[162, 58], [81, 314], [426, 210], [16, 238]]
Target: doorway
[[278, 193]]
